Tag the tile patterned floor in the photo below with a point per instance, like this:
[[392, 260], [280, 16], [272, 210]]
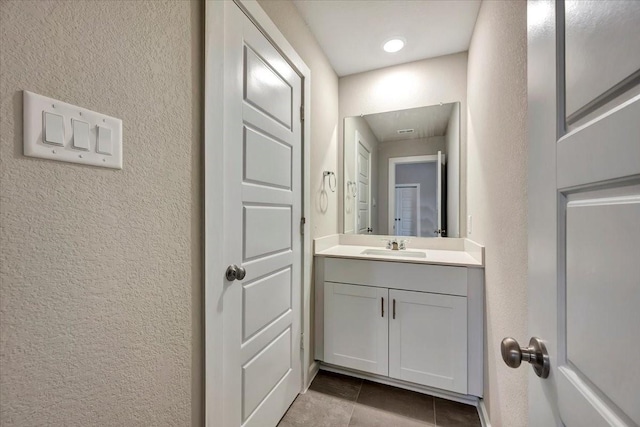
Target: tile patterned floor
[[335, 400]]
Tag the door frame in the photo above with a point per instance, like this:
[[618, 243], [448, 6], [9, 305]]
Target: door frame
[[214, 113], [366, 145], [393, 162], [417, 187]]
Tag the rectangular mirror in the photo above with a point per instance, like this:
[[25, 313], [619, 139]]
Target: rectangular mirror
[[401, 172]]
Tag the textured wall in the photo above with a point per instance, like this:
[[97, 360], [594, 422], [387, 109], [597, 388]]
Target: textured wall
[[324, 112], [415, 84], [497, 189], [100, 308]]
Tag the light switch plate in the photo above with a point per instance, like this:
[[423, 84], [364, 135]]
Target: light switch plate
[[34, 107]]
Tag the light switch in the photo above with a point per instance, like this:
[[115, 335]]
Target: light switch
[[56, 130], [53, 129], [80, 135], [104, 144]]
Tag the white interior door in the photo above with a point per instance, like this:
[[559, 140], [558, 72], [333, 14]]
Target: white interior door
[[428, 339], [356, 328], [262, 202], [584, 210], [364, 186], [407, 210]]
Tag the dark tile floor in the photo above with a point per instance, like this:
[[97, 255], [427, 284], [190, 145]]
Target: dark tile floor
[[335, 400]]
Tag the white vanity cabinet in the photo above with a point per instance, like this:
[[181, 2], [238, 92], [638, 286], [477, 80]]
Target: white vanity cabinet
[[357, 333], [428, 339], [416, 323]]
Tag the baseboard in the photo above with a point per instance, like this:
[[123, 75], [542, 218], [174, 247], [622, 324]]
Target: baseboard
[[456, 397], [484, 415], [313, 371]]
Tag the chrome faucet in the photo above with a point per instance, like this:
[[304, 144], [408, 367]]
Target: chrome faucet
[[397, 245]]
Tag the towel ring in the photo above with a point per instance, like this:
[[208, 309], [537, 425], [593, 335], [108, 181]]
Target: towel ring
[[332, 187]]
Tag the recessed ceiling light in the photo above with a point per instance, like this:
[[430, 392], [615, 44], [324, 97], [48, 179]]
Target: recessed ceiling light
[[393, 45]]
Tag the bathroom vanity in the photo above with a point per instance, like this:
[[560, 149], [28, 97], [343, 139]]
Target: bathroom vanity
[[412, 318]]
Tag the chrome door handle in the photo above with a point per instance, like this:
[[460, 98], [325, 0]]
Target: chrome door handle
[[235, 273], [536, 354]]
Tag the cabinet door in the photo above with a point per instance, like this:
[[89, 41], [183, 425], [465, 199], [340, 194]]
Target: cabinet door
[[356, 329], [428, 339]]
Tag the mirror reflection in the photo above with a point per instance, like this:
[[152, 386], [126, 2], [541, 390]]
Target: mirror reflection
[[401, 172]]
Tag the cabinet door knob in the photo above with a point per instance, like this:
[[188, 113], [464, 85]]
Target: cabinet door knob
[[394, 308], [382, 306]]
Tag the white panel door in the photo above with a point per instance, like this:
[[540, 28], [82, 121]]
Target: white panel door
[[355, 327], [603, 61], [407, 210], [262, 151], [363, 157], [584, 212], [428, 339]]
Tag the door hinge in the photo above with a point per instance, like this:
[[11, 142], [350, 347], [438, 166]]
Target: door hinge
[[303, 221], [302, 113], [302, 341]]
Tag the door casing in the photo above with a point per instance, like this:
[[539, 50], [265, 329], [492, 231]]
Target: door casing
[[214, 183]]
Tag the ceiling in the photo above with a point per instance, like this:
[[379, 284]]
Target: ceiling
[[352, 32], [425, 121]]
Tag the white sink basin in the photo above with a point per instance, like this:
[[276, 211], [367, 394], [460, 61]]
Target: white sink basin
[[389, 252]]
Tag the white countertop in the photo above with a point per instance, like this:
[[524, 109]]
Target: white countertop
[[461, 258]]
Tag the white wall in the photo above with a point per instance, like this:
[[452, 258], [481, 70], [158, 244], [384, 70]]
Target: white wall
[[351, 125], [416, 84], [323, 114], [497, 189], [101, 270], [452, 143], [406, 148]]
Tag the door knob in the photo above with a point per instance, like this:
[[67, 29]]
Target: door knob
[[235, 273], [536, 354]]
